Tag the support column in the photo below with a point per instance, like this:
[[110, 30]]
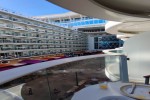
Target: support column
[[123, 69]]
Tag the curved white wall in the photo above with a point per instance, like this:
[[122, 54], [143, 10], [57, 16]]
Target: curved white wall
[[137, 48], [109, 27]]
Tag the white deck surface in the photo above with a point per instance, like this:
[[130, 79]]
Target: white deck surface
[[94, 92]]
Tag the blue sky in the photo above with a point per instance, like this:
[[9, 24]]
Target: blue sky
[[32, 7]]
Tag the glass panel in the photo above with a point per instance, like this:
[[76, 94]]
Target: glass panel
[[62, 81], [95, 45], [112, 67], [95, 39]]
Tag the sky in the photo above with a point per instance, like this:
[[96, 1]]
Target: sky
[[32, 7]]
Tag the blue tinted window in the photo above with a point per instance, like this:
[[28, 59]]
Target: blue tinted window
[[71, 24], [82, 23], [86, 22], [91, 22], [74, 24], [95, 21], [77, 19], [79, 23], [100, 21]]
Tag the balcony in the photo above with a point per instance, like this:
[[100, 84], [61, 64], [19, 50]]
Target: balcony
[[6, 48], [23, 22]]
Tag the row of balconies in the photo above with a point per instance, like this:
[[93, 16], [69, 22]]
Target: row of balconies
[[38, 46], [24, 21], [11, 26], [39, 51], [29, 48], [39, 35], [14, 40], [40, 41], [33, 30], [14, 54], [34, 24], [34, 42]]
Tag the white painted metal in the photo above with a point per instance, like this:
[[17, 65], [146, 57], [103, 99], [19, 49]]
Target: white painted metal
[[90, 8], [8, 75]]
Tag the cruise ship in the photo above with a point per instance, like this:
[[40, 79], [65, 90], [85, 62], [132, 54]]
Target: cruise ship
[[35, 65], [126, 17], [73, 20], [26, 37], [32, 47], [97, 38]]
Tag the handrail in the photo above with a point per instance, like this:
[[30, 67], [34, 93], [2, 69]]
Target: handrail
[[11, 74]]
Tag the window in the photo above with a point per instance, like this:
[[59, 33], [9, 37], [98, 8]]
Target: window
[[77, 19], [95, 21], [57, 20], [95, 39], [66, 20]]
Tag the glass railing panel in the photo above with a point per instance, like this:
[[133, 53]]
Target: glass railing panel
[[35, 86], [62, 81], [112, 70], [68, 78]]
